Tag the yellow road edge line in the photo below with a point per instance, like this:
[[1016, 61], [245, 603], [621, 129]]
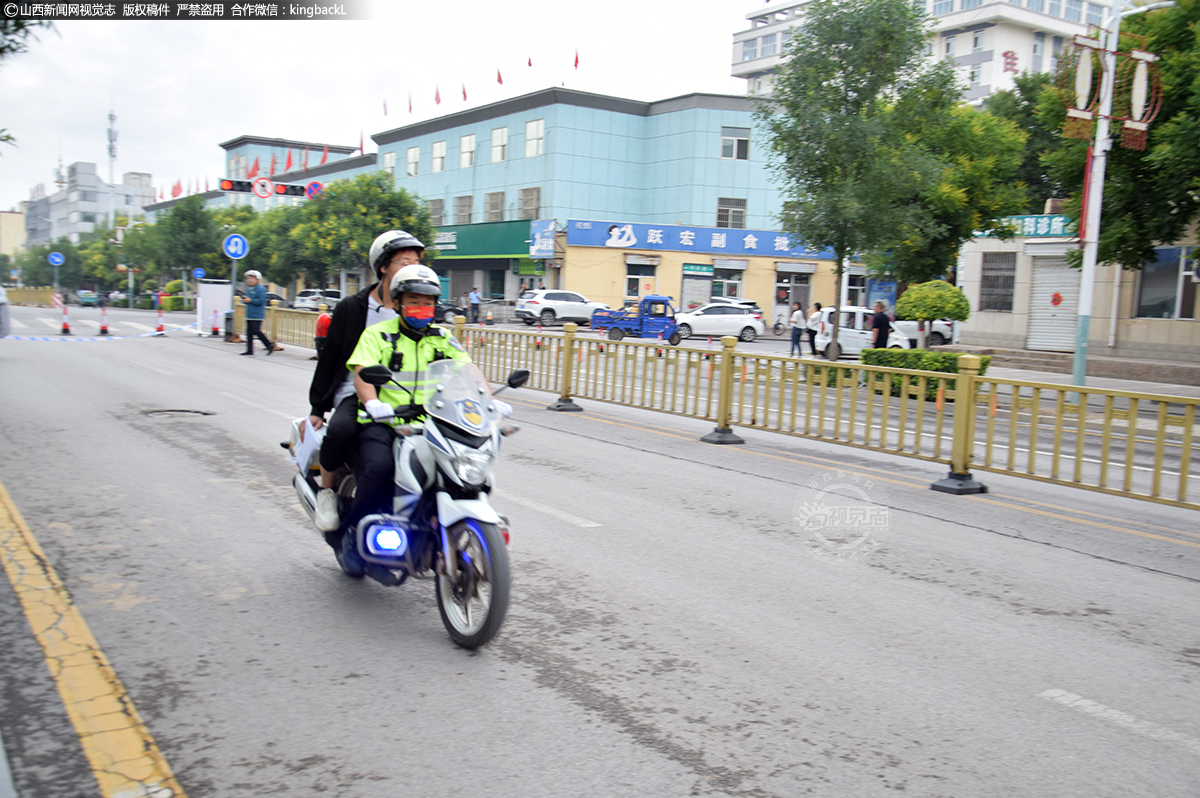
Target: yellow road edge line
[[1009, 503], [123, 755]]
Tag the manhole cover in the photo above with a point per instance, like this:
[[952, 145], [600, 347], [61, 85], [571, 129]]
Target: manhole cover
[[175, 412]]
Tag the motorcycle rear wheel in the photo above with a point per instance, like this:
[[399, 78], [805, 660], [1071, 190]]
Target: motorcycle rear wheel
[[473, 606]]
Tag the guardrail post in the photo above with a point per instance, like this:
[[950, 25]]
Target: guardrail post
[[723, 432], [959, 481], [273, 320], [564, 402], [239, 323], [460, 324]]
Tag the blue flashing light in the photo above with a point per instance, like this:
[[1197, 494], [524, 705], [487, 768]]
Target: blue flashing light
[[389, 538]]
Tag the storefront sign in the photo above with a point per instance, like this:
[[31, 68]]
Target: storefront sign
[[1039, 226], [711, 240], [697, 270], [486, 240], [527, 266], [881, 291], [541, 238]]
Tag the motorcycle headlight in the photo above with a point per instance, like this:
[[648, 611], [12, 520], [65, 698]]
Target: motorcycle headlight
[[472, 468]]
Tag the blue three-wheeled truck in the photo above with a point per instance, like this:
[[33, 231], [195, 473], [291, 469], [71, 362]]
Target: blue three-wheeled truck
[[652, 317]]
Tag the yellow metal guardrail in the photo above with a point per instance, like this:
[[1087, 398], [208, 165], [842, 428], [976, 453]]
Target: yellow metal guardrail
[[31, 296], [1117, 442]]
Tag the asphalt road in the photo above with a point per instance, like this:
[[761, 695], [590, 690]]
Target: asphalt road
[[675, 628]]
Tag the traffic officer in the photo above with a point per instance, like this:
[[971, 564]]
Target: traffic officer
[[406, 344]]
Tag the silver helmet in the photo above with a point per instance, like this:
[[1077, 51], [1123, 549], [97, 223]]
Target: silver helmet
[[388, 244]]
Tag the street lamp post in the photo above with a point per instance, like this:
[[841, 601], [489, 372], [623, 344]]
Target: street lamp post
[[51, 221], [1095, 188]]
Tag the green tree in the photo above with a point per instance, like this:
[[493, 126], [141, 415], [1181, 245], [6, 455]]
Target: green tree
[[281, 256], [845, 169], [1020, 106], [100, 256], [1150, 196], [930, 301], [336, 231], [14, 38], [978, 156], [188, 238], [36, 269]]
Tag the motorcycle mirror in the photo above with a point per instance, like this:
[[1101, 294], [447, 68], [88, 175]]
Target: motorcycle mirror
[[376, 375], [518, 378]]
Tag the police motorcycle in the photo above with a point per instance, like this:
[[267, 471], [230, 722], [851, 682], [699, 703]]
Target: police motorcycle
[[442, 525]]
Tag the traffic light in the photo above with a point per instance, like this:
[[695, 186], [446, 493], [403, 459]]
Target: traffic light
[[236, 185], [289, 191]]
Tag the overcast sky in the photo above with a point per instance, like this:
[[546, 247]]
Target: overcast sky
[[179, 89]]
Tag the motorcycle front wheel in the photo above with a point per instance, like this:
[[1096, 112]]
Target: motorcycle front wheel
[[473, 606]]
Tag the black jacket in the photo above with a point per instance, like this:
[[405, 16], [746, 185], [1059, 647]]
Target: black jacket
[[345, 328]]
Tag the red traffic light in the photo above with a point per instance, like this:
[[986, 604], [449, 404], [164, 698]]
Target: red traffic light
[[235, 185], [289, 191]]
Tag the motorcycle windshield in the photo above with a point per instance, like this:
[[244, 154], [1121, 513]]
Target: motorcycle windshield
[[461, 397]]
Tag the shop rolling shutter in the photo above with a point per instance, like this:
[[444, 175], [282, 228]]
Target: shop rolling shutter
[[1052, 327]]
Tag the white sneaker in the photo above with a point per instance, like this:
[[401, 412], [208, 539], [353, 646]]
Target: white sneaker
[[326, 517]]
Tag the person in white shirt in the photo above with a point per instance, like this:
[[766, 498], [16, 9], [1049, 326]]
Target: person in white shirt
[[798, 324], [814, 324]]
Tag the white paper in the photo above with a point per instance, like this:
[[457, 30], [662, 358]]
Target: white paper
[[310, 442]]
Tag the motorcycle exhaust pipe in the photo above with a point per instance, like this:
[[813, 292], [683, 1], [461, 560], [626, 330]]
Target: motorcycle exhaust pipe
[[308, 499]]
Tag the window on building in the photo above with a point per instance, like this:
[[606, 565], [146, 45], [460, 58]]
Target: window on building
[[735, 143], [1055, 52], [1036, 5], [1038, 47], [750, 49], [1074, 11], [727, 282], [439, 156], [975, 75], [462, 209], [1095, 14], [1055, 8], [1166, 289], [856, 290], [466, 152], [437, 212], [928, 51], [731, 212], [972, 4], [977, 42], [529, 203], [997, 279], [1016, 3], [942, 7], [412, 158], [493, 206], [758, 85], [499, 144], [635, 275], [389, 163], [768, 45], [785, 38], [534, 132], [948, 47]]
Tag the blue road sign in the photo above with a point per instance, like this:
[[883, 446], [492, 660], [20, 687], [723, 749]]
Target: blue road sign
[[199, 273], [56, 259], [235, 246], [314, 190]]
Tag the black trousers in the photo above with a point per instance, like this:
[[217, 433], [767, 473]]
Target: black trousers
[[812, 342], [375, 473], [340, 434], [253, 328], [475, 313]]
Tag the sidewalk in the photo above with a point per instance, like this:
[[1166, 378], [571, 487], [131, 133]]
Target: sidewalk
[[1111, 383]]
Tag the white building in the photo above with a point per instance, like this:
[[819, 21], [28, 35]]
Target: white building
[[989, 41], [83, 202]]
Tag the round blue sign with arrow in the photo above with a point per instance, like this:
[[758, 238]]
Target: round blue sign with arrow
[[314, 190], [56, 259], [199, 273], [235, 246]]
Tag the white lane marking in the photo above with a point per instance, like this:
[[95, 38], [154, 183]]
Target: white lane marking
[[156, 368], [550, 511], [1122, 719], [18, 325], [51, 322], [248, 403], [138, 326]]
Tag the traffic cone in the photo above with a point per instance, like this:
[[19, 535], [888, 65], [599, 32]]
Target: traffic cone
[[66, 328], [215, 331], [490, 320], [104, 320], [160, 330], [537, 342], [659, 351]]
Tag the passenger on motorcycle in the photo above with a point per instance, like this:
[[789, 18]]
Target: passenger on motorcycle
[[333, 384], [406, 344]]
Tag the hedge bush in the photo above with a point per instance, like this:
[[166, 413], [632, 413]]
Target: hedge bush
[[918, 360], [174, 287]]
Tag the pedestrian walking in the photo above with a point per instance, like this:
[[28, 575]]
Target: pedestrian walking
[[814, 324], [882, 325], [256, 310], [474, 298], [524, 288], [799, 323]]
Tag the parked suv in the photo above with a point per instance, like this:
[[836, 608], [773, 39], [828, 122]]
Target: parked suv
[[548, 306], [313, 298]]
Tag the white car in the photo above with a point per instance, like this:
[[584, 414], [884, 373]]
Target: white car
[[939, 332], [547, 306], [313, 298], [720, 318], [854, 331]]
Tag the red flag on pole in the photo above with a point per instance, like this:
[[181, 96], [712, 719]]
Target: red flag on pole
[[287, 167], [206, 182], [306, 159], [499, 77], [361, 151], [177, 189], [272, 165], [324, 155], [410, 102], [385, 107], [577, 58], [464, 91], [253, 169], [437, 95], [531, 60]]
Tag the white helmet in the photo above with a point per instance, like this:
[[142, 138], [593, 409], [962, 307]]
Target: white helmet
[[416, 279], [389, 243]]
